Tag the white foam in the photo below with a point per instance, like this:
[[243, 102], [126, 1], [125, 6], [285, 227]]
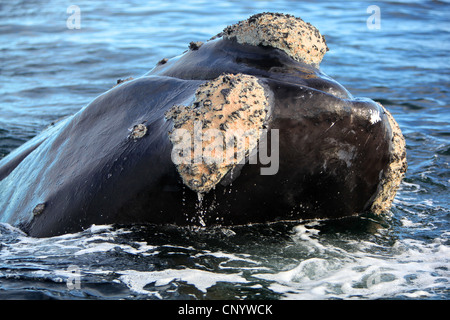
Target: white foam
[[374, 116], [93, 240], [411, 269], [201, 279], [305, 236], [106, 246], [346, 269], [409, 224], [100, 228], [227, 256], [7, 228], [417, 294]]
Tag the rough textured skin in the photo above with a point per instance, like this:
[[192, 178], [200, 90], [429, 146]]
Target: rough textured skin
[[230, 104], [299, 39], [112, 162], [395, 172]]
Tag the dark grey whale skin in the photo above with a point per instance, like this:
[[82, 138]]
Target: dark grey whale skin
[[87, 169]]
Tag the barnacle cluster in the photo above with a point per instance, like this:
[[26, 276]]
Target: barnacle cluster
[[299, 39]]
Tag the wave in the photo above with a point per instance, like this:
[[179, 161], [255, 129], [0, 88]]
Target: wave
[[308, 263]]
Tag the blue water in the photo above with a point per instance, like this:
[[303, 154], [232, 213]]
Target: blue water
[[48, 71]]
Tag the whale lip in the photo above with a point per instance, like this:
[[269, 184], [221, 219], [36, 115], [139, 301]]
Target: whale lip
[[299, 39]]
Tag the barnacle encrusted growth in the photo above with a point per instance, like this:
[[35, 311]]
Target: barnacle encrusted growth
[[299, 39], [39, 209], [395, 172], [218, 130], [138, 131], [119, 81]]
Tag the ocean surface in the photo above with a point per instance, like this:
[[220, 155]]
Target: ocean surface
[[52, 65]]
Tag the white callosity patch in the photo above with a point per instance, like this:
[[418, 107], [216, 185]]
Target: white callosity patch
[[396, 169], [299, 39], [219, 130]]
